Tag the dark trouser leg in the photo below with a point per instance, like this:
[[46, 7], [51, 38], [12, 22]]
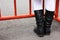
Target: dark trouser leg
[[39, 30], [48, 21]]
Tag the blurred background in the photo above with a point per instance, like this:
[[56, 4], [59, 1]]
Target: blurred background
[[22, 29]]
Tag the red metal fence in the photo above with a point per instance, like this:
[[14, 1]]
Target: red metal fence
[[30, 12]]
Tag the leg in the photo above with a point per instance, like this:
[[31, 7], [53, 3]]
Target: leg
[[50, 8], [39, 18], [37, 4]]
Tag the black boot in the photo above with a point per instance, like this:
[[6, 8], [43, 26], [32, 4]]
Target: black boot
[[48, 22], [40, 23]]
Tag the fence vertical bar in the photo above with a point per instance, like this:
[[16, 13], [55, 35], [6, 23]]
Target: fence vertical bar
[[30, 7], [15, 8], [57, 9], [0, 12]]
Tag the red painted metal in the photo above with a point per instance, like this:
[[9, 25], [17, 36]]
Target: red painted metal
[[0, 12], [30, 7], [15, 8], [57, 19], [57, 8], [56, 11], [16, 17], [30, 12]]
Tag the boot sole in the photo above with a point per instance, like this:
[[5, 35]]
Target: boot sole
[[40, 35]]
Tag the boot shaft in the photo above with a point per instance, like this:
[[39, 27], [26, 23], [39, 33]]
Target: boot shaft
[[39, 17], [48, 21], [49, 17], [39, 21]]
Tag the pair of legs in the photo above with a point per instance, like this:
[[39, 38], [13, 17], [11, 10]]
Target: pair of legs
[[44, 23]]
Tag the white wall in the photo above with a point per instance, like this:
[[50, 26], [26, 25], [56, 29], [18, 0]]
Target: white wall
[[6, 7]]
